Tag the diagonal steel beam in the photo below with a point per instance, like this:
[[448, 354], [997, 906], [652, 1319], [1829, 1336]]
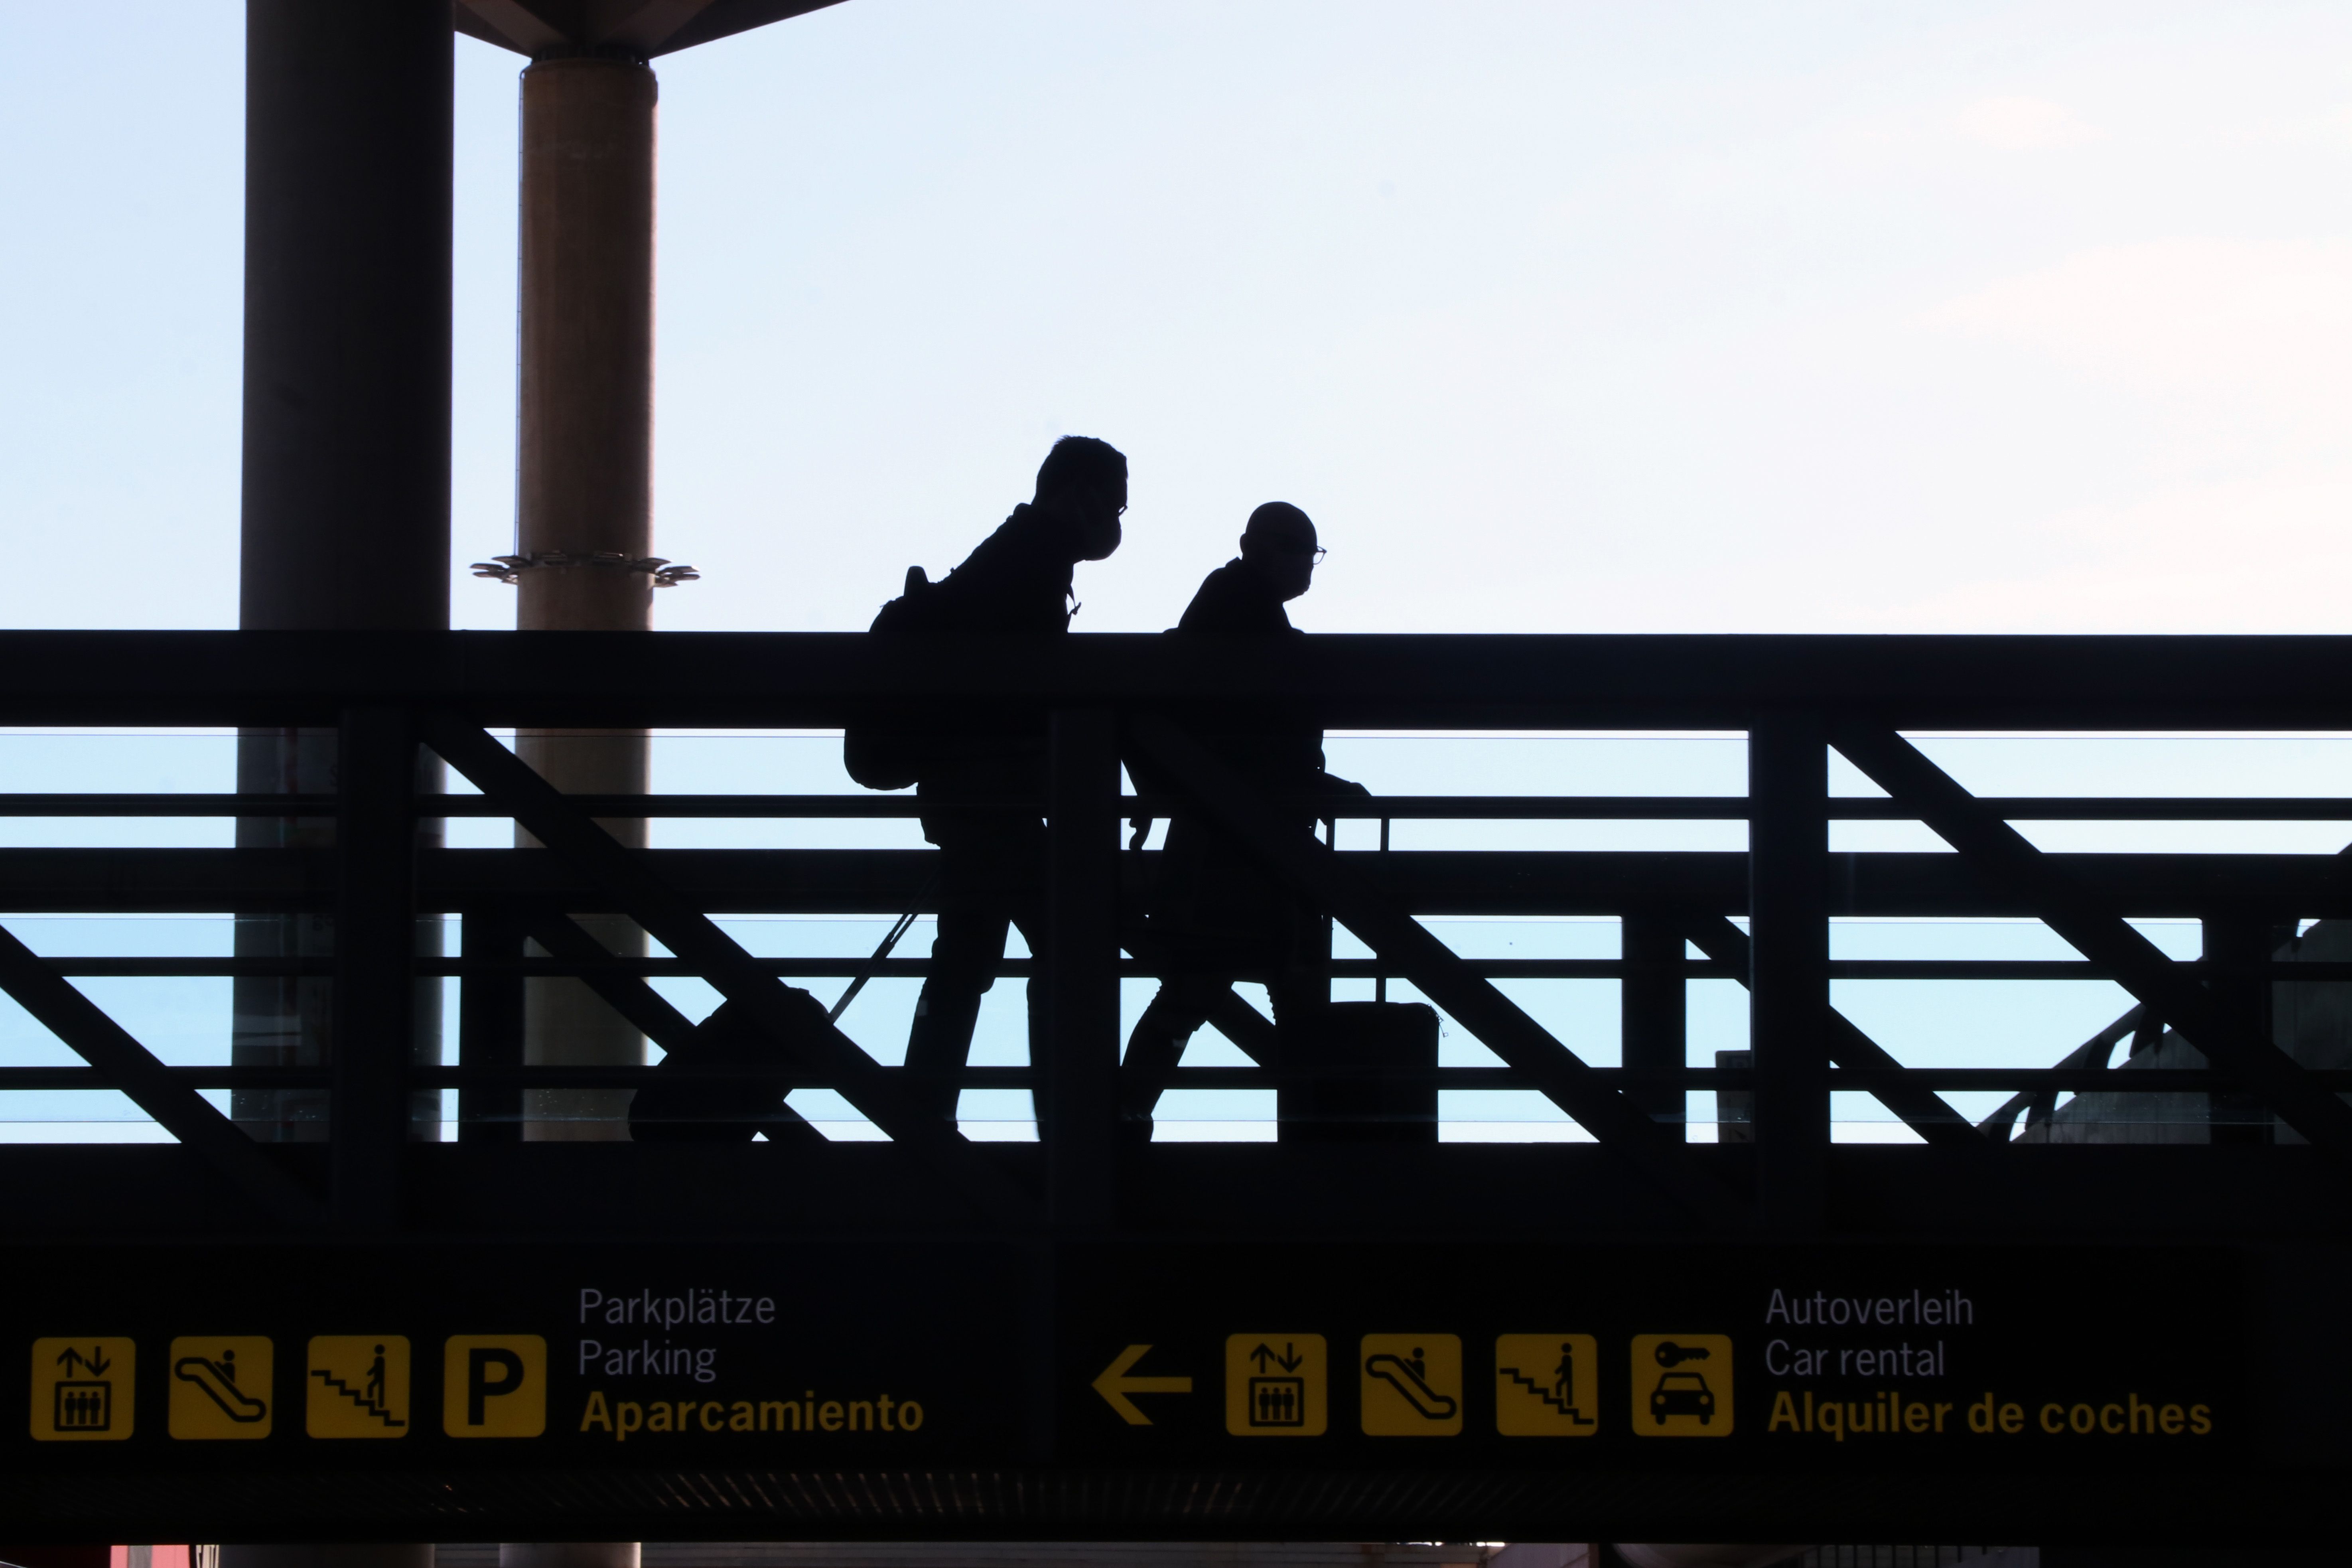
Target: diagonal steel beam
[[1997, 850], [180, 1111], [1250, 1031], [1922, 1110], [645, 1008], [638, 892], [1228, 804]]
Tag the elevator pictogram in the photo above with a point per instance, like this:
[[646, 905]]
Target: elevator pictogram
[[82, 1389], [1276, 1385]]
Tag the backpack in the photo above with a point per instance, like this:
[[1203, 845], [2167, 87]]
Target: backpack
[[878, 753]]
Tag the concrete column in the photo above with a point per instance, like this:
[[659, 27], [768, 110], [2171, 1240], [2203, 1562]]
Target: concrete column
[[586, 389], [345, 519], [345, 515], [584, 491], [583, 517]]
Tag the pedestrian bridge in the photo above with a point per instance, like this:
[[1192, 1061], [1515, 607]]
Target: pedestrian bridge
[[917, 1326]]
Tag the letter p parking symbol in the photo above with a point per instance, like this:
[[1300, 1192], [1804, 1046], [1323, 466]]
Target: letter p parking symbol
[[494, 1385]]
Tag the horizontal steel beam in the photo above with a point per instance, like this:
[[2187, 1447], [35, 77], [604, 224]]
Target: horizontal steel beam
[[1436, 883], [2075, 970], [2054, 1193], [1864, 1079], [818, 679], [1377, 807]]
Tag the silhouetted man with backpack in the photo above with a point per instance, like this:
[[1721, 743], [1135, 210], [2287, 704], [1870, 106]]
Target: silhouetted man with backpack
[[991, 859]]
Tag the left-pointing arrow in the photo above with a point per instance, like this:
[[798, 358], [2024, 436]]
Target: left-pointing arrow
[[1114, 1386]]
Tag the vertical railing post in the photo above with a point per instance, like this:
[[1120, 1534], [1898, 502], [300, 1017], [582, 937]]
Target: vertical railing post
[[1077, 1082], [2236, 946], [1788, 987], [1652, 1017], [490, 1025], [376, 948]]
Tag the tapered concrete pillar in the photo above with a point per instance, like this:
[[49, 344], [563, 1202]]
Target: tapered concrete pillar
[[586, 389], [585, 491], [346, 512]]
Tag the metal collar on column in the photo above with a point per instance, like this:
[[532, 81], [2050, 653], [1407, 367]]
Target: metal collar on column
[[511, 568]]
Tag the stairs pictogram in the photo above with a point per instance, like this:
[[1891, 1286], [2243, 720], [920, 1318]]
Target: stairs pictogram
[[1543, 1392], [355, 1397]]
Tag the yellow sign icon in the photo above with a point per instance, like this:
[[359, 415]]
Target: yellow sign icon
[[494, 1385], [1546, 1386], [1276, 1385], [81, 1390], [221, 1386], [1412, 1385], [1117, 1382], [357, 1387], [1682, 1386]]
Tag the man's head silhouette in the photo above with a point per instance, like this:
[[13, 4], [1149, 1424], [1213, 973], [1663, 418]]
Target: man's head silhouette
[[1279, 546], [1085, 479]]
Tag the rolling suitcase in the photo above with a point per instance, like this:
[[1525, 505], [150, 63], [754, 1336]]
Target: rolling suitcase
[[1358, 1072]]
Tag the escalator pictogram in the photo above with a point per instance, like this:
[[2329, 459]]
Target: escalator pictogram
[[1400, 1374], [217, 1380], [222, 1387], [1411, 1386]]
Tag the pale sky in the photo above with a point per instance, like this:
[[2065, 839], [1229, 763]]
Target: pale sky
[[1666, 316]]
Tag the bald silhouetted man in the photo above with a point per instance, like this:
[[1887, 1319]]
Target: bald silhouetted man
[[1245, 597], [1217, 918]]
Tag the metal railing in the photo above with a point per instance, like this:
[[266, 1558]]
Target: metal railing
[[1761, 918]]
